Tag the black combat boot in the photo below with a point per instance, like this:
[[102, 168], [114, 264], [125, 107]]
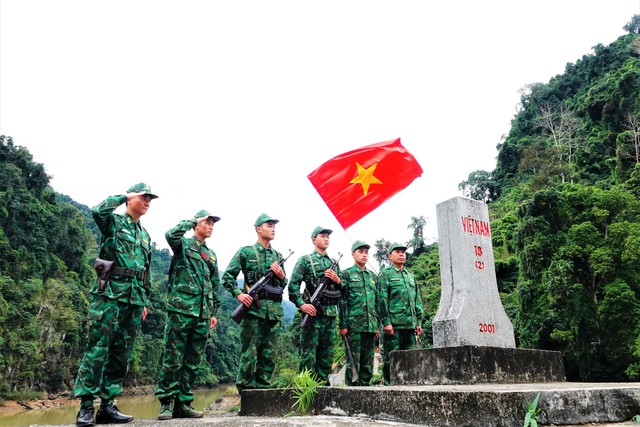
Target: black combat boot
[[85, 417], [111, 415]]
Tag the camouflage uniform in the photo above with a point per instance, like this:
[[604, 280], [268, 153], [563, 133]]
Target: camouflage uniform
[[192, 302], [358, 314], [401, 307], [317, 343], [116, 313], [260, 326]]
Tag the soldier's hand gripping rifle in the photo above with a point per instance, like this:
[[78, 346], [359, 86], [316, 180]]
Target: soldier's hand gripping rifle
[[316, 298], [261, 284]]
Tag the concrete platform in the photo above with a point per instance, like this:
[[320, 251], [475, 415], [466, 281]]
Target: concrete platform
[[475, 365], [561, 403]]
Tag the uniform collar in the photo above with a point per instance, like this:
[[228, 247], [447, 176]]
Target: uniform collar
[[130, 219], [259, 246], [319, 255], [197, 241]]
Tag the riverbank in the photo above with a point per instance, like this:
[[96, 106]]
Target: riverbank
[[228, 401]]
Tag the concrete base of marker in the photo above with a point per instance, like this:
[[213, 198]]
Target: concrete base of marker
[[475, 364], [497, 405]]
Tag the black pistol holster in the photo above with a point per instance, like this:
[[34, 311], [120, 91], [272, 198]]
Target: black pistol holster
[[103, 269]]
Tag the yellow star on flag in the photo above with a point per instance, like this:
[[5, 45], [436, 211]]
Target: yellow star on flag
[[365, 177]]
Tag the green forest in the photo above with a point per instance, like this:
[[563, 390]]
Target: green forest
[[565, 217]]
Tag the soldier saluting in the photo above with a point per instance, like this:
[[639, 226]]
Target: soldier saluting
[[119, 304], [192, 305]]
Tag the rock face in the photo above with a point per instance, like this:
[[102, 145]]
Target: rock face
[[470, 310]]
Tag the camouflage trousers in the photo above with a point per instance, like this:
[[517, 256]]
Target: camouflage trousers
[[402, 339], [185, 338], [317, 347], [112, 332], [258, 338], [363, 348]]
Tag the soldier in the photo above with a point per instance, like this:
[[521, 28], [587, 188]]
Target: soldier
[[192, 305], [118, 306], [358, 321], [400, 306], [316, 343], [260, 326]]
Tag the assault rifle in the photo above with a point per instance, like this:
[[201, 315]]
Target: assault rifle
[[261, 284], [354, 372], [318, 294]]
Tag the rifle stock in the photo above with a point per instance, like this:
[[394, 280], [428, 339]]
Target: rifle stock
[[238, 314]]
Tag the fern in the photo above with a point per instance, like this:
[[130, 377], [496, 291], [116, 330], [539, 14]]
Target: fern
[[304, 387]]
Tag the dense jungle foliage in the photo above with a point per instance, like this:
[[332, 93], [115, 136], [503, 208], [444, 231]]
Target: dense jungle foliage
[[564, 208], [565, 213]]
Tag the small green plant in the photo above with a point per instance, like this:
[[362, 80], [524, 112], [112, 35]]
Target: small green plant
[[532, 411], [285, 378], [636, 419], [234, 408], [304, 388]]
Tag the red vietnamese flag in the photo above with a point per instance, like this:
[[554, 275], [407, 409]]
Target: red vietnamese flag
[[356, 182]]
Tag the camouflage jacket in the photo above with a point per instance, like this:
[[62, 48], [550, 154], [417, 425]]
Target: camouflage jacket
[[400, 304], [254, 262], [310, 270], [358, 306], [128, 244], [194, 282]]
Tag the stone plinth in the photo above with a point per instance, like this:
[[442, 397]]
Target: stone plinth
[[493, 405], [473, 365], [470, 310]]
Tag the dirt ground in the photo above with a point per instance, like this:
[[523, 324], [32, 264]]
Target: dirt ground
[[10, 406]]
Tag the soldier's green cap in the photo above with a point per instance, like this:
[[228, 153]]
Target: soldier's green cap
[[359, 244], [141, 187], [320, 230], [204, 213], [264, 218], [396, 246]]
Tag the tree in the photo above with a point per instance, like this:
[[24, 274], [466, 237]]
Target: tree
[[633, 26], [480, 185], [382, 252], [628, 141], [417, 240], [562, 125]]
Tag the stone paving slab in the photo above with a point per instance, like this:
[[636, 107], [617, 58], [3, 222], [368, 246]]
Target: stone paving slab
[[238, 421]]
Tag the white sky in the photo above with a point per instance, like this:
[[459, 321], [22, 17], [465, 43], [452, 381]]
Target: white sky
[[229, 105]]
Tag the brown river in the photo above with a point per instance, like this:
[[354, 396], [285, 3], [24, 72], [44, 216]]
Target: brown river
[[138, 406]]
